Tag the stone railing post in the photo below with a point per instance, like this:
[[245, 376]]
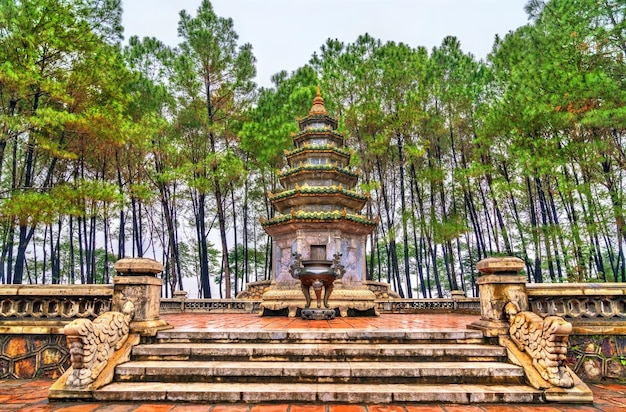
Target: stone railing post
[[457, 295], [181, 295], [136, 282], [499, 284]]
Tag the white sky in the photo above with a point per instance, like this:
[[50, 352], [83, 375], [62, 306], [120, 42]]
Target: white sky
[[285, 33]]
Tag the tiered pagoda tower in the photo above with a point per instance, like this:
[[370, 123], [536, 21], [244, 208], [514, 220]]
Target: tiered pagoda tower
[[318, 214]]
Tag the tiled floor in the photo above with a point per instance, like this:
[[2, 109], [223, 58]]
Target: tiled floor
[[31, 395], [387, 321]]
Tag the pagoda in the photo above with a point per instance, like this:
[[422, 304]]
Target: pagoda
[[318, 217]]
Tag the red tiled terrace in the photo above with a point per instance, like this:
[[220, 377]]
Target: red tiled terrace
[[31, 395]]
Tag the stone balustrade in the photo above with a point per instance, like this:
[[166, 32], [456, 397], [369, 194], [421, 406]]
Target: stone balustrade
[[592, 313], [181, 304], [38, 313], [394, 305], [33, 317], [54, 302], [584, 304], [445, 305]]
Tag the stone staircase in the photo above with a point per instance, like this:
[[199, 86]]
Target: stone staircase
[[323, 366]]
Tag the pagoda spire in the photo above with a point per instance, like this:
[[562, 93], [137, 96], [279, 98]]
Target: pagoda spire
[[318, 104]]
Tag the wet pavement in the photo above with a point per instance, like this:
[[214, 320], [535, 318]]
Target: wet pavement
[[32, 395]]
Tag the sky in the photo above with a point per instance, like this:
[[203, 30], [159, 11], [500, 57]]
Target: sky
[[285, 33]]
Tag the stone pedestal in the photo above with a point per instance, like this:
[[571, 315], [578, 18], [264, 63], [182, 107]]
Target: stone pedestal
[[499, 285], [317, 314], [359, 299], [136, 281]]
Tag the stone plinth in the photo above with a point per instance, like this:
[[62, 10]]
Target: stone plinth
[[500, 265], [137, 282], [359, 298], [499, 285], [138, 267], [318, 314]]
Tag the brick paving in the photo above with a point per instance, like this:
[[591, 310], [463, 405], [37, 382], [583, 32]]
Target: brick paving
[[32, 395]]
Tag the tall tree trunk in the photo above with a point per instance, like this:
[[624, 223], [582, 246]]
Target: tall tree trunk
[[391, 243], [202, 244], [404, 217], [54, 262], [121, 241], [235, 254], [535, 232], [432, 246], [81, 250], [222, 223], [106, 226], [491, 237], [618, 214], [246, 256], [137, 230], [25, 234], [545, 229], [574, 225], [91, 269], [518, 223], [72, 253], [419, 255], [503, 230]]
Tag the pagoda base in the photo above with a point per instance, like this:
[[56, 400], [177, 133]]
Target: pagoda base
[[354, 299]]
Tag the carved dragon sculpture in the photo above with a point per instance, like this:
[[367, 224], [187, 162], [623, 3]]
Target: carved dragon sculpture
[[91, 344], [545, 340]]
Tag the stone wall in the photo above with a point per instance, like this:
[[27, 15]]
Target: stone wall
[[255, 290], [597, 312], [594, 358], [33, 317]]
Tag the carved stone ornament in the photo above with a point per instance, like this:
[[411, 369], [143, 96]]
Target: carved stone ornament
[[545, 340], [91, 344]]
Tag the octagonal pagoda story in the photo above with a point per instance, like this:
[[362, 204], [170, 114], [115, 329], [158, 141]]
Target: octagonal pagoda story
[[318, 214]]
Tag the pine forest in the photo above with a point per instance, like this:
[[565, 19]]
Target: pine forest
[[113, 148]]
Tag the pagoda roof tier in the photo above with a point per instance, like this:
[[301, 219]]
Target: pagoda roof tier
[[308, 134], [289, 223], [305, 153], [318, 172], [335, 196], [317, 118]]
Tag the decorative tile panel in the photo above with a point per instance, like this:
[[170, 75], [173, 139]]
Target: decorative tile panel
[[33, 356]]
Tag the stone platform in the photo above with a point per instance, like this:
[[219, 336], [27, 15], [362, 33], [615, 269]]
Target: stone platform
[[357, 365], [32, 395], [392, 359]]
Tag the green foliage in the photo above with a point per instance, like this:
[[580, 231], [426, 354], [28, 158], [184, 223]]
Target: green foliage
[[268, 132], [521, 154]]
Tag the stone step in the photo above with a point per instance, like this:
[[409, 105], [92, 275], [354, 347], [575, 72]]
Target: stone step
[[316, 352], [432, 336], [317, 393], [319, 372]]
